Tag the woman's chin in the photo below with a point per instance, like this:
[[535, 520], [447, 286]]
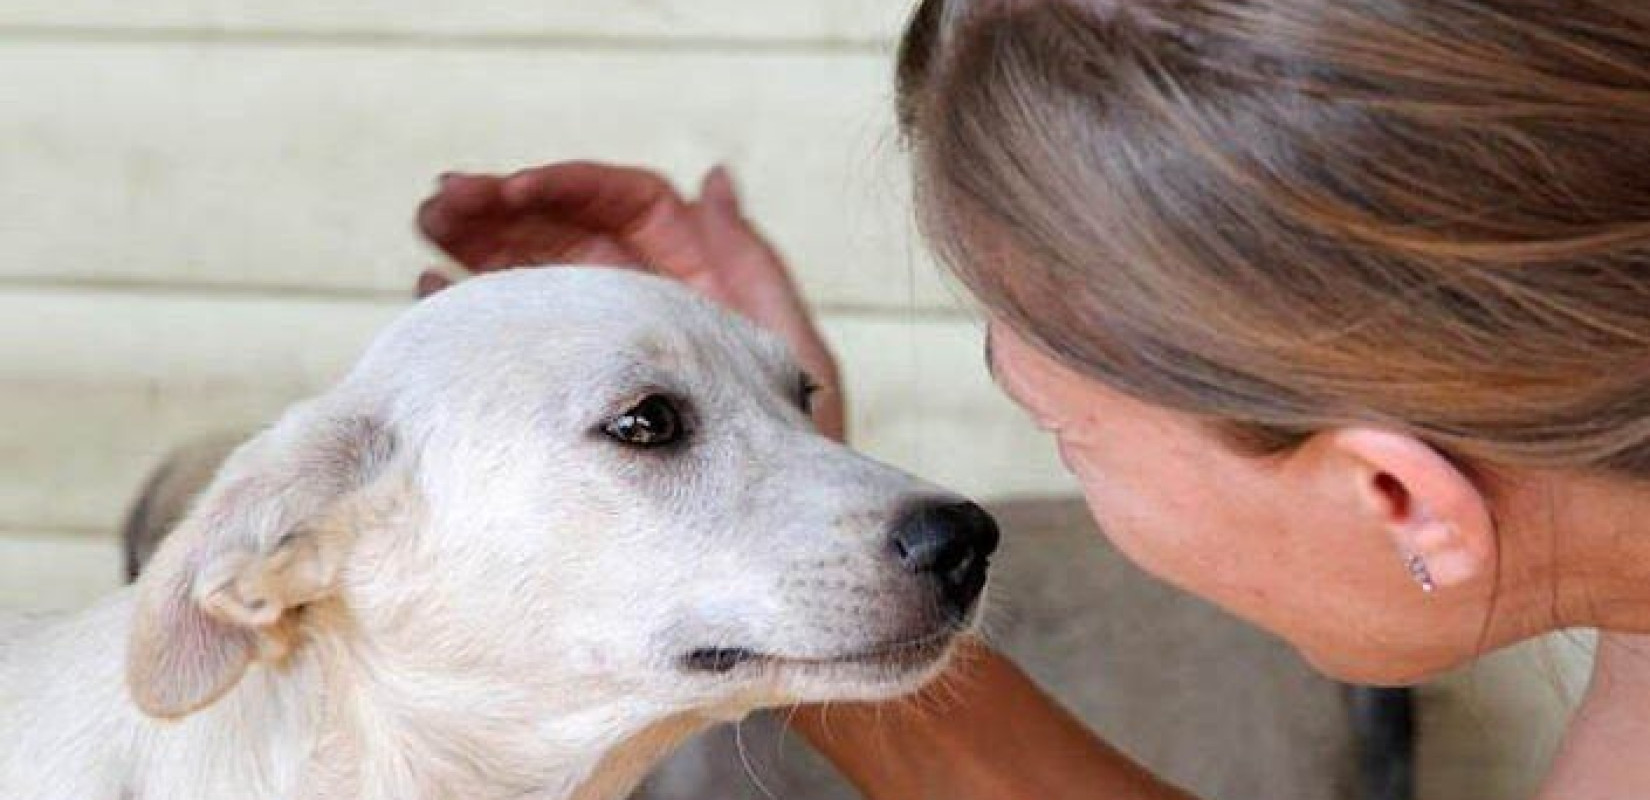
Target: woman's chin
[[1385, 669]]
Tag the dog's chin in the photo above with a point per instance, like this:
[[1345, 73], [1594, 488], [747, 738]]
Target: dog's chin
[[869, 672], [877, 677]]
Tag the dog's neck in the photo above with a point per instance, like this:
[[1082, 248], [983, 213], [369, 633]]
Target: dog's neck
[[337, 719], [386, 730], [389, 716], [624, 766]]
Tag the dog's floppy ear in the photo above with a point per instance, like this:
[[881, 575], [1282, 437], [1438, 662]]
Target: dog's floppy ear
[[266, 538]]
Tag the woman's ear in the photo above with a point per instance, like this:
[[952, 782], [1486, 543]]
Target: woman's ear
[[1436, 516]]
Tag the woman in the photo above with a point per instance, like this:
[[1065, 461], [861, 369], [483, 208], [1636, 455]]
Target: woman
[[1340, 313]]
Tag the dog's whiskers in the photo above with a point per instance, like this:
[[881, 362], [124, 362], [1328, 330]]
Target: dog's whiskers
[[745, 761]]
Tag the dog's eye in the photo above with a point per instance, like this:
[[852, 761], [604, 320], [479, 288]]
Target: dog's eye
[[650, 423], [805, 391]]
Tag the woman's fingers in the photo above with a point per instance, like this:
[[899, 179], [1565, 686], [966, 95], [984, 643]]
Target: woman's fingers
[[585, 249], [431, 281], [636, 207], [601, 197], [450, 217], [531, 218], [717, 191], [741, 250], [601, 251], [464, 194]]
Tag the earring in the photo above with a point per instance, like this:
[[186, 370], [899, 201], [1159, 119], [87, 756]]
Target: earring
[[1418, 570]]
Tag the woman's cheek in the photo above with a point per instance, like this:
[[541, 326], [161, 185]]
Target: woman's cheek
[[1078, 459], [1108, 502], [1130, 515]]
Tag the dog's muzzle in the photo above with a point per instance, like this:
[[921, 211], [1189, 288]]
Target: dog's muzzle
[[944, 544]]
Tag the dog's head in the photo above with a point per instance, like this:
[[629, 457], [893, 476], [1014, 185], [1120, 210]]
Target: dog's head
[[560, 478]]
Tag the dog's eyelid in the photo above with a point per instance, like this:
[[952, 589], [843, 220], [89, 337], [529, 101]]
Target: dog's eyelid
[[635, 392]]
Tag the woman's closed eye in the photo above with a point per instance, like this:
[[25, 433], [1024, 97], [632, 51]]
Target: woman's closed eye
[[1007, 381]]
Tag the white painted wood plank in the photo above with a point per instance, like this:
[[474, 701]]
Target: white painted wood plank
[[804, 20], [300, 167], [921, 398], [96, 386], [43, 571]]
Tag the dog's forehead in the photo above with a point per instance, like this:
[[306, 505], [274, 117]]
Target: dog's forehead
[[573, 318], [564, 294]]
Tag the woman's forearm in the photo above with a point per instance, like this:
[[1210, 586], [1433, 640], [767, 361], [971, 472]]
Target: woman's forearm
[[986, 732]]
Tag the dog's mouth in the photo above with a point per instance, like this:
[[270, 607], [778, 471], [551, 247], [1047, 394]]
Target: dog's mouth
[[918, 651]]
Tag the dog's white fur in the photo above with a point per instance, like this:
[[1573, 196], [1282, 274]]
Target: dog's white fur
[[439, 579]]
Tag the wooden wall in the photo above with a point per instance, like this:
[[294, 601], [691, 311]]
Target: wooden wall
[[208, 210]]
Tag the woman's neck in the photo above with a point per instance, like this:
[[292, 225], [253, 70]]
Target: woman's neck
[[1598, 537], [1601, 756], [1581, 559], [1574, 553]]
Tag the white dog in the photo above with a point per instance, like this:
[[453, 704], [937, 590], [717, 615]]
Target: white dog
[[551, 524]]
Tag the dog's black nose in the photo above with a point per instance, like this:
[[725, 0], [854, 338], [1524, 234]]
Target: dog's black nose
[[951, 542]]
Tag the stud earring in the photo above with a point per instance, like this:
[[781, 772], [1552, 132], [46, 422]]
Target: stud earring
[[1418, 570]]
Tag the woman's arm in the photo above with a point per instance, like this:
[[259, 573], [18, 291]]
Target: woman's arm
[[985, 732]]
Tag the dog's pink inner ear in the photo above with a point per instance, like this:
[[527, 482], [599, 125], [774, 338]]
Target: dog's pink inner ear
[[182, 659]]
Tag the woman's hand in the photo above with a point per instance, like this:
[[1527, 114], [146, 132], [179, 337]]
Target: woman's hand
[[580, 212]]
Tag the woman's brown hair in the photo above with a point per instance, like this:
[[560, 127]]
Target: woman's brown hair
[[1289, 215]]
